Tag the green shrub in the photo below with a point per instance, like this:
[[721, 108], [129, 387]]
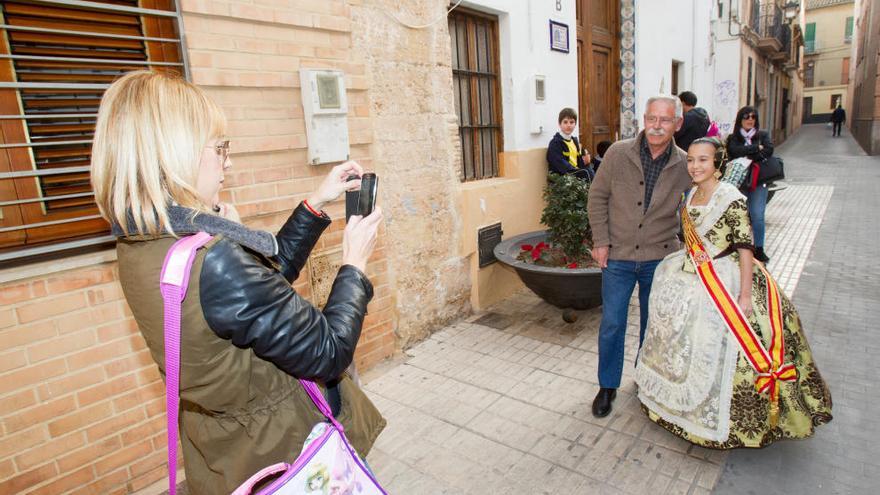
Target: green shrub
[[565, 215]]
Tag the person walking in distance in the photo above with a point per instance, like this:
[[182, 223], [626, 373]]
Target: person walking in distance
[[632, 209], [838, 117]]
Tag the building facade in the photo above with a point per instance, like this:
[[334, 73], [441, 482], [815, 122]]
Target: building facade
[[452, 104], [864, 116], [683, 60], [453, 110], [81, 404], [757, 56], [828, 36], [729, 53]]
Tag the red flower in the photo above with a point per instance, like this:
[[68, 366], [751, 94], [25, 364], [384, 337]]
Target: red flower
[[541, 245], [536, 253], [527, 247], [572, 265]]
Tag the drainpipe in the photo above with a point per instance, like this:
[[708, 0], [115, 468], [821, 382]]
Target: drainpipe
[[693, 42]]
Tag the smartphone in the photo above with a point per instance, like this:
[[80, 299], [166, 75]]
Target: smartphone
[[362, 201], [367, 199]]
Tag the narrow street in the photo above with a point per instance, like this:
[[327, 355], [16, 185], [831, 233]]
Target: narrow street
[[500, 403], [837, 296]]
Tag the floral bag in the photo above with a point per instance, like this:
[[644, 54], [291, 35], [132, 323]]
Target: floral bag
[[735, 171], [328, 462]]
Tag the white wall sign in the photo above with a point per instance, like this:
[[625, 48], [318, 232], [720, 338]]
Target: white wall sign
[[326, 115]]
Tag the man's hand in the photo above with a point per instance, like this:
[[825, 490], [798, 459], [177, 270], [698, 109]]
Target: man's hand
[[600, 254]]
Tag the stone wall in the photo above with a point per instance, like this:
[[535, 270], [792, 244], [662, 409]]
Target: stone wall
[[415, 152]]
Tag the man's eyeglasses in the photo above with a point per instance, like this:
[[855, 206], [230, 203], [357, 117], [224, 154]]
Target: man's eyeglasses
[[222, 150], [653, 119], [750, 116]]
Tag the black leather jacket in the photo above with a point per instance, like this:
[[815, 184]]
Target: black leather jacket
[[247, 298], [737, 147]]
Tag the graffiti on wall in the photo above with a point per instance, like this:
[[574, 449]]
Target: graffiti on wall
[[725, 104]]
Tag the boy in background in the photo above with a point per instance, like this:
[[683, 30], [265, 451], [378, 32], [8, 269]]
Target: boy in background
[[564, 151]]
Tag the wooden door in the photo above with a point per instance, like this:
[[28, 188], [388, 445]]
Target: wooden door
[[598, 51]]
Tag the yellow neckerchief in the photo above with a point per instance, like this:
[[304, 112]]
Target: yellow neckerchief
[[572, 153], [768, 365]]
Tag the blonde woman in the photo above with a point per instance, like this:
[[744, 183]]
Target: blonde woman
[[158, 163]]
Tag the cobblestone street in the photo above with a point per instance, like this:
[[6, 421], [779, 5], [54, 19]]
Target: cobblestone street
[[500, 403]]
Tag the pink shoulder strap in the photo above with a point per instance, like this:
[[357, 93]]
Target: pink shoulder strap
[[173, 283]]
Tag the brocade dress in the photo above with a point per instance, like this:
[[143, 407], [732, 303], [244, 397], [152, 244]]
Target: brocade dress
[[694, 380]]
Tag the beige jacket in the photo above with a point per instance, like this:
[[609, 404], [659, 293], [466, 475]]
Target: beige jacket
[[617, 217]]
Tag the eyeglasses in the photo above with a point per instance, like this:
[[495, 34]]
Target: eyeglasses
[[750, 116], [222, 150], [653, 119]]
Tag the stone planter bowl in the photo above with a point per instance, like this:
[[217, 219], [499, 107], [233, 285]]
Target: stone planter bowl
[[565, 288]]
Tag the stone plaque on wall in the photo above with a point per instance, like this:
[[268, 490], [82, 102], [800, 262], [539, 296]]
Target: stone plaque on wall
[[323, 267]]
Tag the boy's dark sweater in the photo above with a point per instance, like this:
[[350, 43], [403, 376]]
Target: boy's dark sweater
[[558, 162]]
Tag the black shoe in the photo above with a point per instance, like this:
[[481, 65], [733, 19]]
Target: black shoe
[[602, 402], [761, 256]]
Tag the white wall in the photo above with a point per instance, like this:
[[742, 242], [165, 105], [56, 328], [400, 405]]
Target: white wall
[[679, 30], [729, 70], [524, 37]]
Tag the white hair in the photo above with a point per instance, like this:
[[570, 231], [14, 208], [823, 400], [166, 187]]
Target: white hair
[[675, 102]]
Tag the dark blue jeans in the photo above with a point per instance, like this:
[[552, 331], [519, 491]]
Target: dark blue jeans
[[618, 281], [757, 201]]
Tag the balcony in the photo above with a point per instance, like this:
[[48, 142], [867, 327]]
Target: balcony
[[768, 26], [784, 54], [811, 46]]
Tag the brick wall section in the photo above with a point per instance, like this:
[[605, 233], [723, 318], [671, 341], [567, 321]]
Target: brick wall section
[[81, 402], [80, 398]]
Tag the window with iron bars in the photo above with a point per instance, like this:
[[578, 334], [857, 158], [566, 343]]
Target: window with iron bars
[[476, 91], [56, 59]]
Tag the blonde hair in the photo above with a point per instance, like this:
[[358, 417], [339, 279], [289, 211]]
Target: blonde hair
[[149, 136]]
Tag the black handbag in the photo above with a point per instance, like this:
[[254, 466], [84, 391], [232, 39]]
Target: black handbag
[[772, 169]]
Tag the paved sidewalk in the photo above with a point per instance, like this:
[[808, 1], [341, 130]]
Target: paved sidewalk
[[837, 297], [500, 403]]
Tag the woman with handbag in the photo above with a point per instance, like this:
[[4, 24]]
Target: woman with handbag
[[158, 164], [748, 140]]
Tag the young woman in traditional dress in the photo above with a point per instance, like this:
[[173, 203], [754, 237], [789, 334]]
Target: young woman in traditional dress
[[725, 362]]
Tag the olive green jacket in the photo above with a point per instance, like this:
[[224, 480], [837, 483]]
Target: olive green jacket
[[240, 412]]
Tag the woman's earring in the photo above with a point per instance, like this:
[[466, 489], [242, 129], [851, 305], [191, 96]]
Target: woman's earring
[[717, 174]]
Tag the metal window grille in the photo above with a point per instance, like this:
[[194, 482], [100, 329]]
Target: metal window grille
[[56, 59], [476, 92]]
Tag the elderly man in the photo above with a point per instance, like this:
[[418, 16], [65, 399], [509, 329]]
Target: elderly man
[[632, 209]]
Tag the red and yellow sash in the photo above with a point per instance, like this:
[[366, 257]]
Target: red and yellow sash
[[768, 365]]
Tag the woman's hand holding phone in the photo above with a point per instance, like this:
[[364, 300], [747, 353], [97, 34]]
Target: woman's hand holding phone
[[359, 239], [336, 183]]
